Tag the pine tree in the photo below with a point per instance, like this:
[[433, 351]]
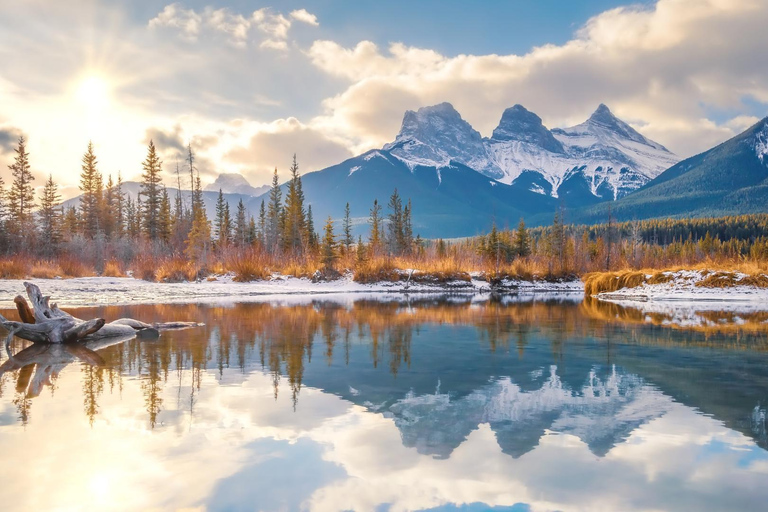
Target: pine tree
[[441, 249], [273, 215], [253, 232], [151, 190], [311, 234], [396, 231], [178, 209], [241, 225], [165, 220], [361, 252], [50, 217], [407, 227], [71, 223], [199, 238], [329, 245], [90, 200], [107, 214], [21, 197], [262, 234], [118, 206], [375, 222], [347, 227], [220, 223], [3, 209], [294, 223], [522, 244]]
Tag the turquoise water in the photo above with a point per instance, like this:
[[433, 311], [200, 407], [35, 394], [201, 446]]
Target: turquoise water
[[412, 405]]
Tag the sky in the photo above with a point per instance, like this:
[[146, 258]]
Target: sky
[[248, 84]]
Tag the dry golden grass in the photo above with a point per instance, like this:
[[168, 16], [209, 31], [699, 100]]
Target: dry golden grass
[[14, 268], [45, 270], [250, 266], [113, 268], [176, 270], [603, 282], [731, 279], [73, 267]]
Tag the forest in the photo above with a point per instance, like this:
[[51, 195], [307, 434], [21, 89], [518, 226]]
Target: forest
[[159, 237]]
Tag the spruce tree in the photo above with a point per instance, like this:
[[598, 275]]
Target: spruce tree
[[90, 200], [375, 222], [361, 252], [3, 210], [273, 215], [396, 237], [294, 224], [117, 206], [311, 234], [347, 228], [151, 191], [220, 223], [241, 225], [262, 234], [329, 245], [21, 197], [50, 217], [165, 220], [522, 244], [71, 223], [253, 232]]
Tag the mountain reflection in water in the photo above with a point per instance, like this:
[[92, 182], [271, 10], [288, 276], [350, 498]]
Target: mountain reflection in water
[[545, 404]]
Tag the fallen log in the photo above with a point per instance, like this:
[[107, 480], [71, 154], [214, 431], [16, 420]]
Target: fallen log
[[46, 323]]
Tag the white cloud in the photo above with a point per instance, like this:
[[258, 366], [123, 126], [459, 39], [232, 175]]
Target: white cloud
[[659, 67], [305, 16], [187, 21]]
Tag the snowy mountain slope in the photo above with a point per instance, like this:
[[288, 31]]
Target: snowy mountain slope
[[232, 183], [600, 159]]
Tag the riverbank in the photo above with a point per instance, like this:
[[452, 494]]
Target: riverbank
[[680, 286], [99, 291]]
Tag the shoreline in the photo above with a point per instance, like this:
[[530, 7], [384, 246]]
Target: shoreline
[[122, 291]]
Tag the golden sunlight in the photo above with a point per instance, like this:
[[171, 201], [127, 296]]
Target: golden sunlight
[[93, 92]]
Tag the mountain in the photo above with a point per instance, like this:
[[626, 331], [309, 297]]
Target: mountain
[[601, 159], [232, 183], [131, 189], [451, 200], [729, 179]]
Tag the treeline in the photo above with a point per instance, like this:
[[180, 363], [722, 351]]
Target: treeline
[[107, 225]]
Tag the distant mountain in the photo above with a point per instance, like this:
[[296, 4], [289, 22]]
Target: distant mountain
[[601, 159], [452, 200], [232, 183], [131, 189], [729, 179]]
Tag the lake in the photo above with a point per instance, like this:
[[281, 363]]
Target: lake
[[411, 404]]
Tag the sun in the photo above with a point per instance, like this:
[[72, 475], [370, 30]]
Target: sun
[[93, 92]]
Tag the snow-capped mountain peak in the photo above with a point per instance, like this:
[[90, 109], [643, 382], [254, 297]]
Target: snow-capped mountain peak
[[233, 183], [601, 158], [518, 123], [435, 135]]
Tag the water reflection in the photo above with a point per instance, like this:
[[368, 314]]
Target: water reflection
[[417, 404]]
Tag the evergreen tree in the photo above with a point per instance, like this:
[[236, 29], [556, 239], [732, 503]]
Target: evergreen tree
[[241, 225], [262, 234], [253, 232], [295, 223], [165, 220], [151, 191], [347, 227], [117, 206], [375, 222], [199, 238], [361, 252], [71, 223], [329, 245], [396, 237], [90, 200], [273, 215], [3, 212], [441, 249], [178, 207], [522, 244], [220, 223], [107, 214], [50, 217], [407, 227], [21, 197], [311, 233]]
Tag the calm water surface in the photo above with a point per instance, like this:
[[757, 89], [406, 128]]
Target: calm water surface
[[413, 405]]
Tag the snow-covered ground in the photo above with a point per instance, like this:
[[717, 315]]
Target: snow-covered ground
[[682, 287], [97, 291]]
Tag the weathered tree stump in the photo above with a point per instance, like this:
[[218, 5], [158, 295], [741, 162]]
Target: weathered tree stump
[[46, 323]]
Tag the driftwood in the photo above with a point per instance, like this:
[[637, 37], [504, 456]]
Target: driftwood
[[46, 323]]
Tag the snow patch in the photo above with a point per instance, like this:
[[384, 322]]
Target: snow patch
[[352, 170]]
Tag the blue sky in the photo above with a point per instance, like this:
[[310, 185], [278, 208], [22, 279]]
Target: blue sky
[[250, 83]]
